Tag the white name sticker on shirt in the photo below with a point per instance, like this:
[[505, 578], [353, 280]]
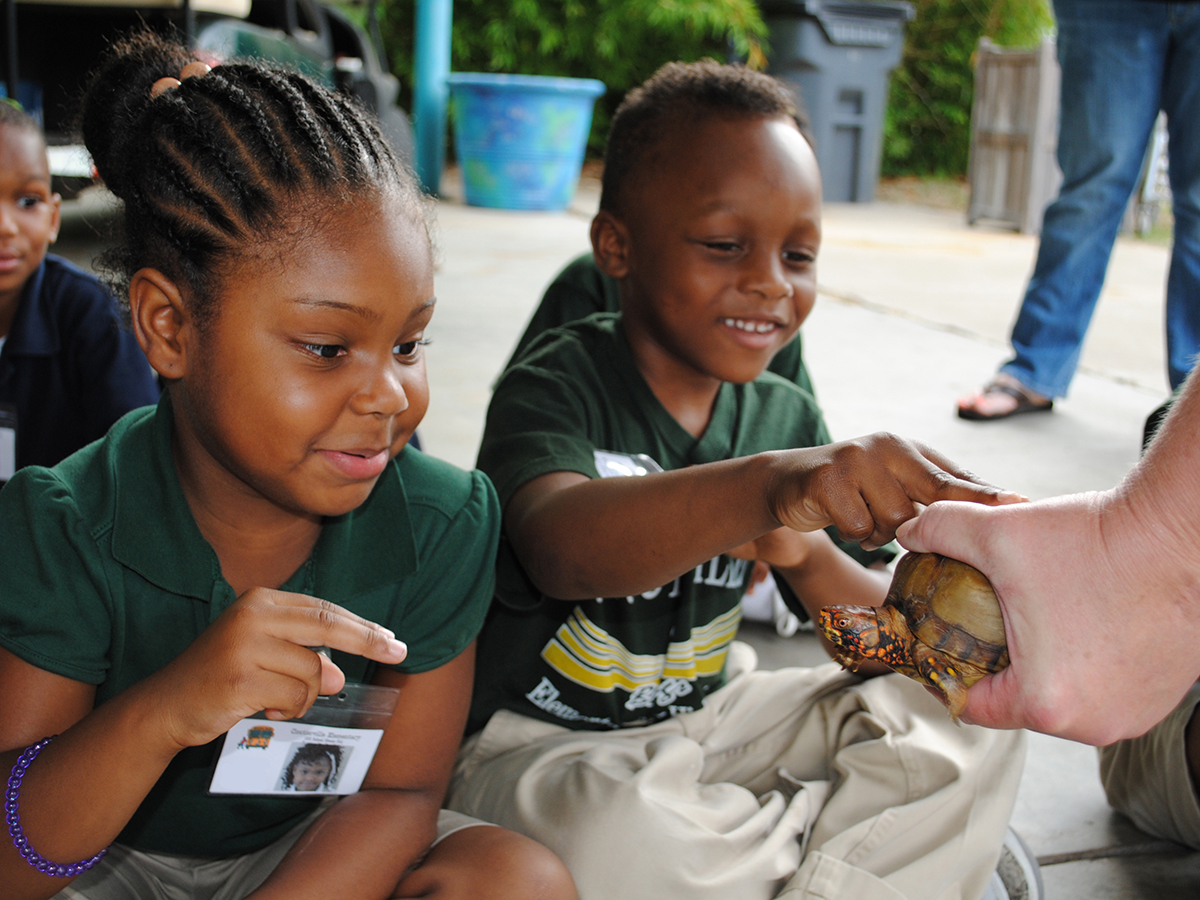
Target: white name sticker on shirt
[[326, 751], [8, 443], [623, 465]]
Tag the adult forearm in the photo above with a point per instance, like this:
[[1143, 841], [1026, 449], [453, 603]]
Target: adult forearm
[[1151, 519]]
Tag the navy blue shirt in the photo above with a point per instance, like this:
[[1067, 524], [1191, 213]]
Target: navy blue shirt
[[68, 369]]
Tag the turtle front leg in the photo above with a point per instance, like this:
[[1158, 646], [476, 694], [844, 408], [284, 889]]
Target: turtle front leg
[[944, 676]]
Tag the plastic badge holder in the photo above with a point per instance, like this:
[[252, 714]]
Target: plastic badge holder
[[618, 465], [328, 750], [8, 442]]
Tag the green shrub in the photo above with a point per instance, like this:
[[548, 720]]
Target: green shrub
[[928, 126], [620, 42]]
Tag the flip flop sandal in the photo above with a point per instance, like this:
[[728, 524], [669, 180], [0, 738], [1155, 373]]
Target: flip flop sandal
[[1024, 404]]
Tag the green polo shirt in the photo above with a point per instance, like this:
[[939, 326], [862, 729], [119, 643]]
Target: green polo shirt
[[105, 578]]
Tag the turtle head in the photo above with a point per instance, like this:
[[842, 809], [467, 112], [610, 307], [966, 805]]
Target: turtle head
[[854, 629]]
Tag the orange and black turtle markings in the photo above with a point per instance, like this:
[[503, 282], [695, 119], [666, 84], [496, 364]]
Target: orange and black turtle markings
[[940, 624]]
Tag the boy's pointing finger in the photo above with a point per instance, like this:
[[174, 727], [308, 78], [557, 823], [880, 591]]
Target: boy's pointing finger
[[947, 481], [869, 486]]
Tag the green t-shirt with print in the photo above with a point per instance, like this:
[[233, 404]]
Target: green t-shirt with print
[[576, 402], [105, 578]]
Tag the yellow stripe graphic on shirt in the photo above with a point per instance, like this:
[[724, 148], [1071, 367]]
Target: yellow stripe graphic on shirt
[[588, 655]]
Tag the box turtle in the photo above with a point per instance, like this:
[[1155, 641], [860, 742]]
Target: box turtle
[[940, 624]]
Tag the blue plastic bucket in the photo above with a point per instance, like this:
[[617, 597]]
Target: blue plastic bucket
[[520, 138]]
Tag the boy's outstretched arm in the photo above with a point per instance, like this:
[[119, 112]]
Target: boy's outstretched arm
[[579, 538]]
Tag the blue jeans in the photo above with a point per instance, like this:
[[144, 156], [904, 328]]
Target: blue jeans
[[1122, 61]]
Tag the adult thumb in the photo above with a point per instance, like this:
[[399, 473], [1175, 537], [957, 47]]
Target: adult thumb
[[950, 527]]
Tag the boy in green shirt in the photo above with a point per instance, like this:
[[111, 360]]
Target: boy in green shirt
[[642, 459]]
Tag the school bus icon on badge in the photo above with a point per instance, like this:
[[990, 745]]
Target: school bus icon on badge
[[259, 736]]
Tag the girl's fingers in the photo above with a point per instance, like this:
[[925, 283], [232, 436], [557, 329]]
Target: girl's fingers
[[311, 622], [332, 678], [258, 656], [283, 696], [292, 677]]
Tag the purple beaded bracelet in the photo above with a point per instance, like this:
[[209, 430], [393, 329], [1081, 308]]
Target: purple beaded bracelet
[[13, 817]]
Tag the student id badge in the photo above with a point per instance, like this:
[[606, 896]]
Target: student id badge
[[328, 750], [8, 442]]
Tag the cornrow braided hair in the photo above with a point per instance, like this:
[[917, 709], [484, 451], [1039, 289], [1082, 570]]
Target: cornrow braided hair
[[677, 96], [224, 163]]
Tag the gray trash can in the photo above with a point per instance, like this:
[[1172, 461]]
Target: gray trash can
[[837, 55]]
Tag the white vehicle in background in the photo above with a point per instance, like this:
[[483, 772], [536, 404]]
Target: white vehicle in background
[[58, 42]]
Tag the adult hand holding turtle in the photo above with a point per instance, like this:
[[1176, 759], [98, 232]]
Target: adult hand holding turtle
[[1101, 595]]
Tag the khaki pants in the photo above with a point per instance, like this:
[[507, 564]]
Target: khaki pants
[[127, 874], [800, 783], [1147, 778]]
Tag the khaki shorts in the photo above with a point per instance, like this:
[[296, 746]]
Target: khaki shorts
[[799, 784], [1147, 778], [128, 874]]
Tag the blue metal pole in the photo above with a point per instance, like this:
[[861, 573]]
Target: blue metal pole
[[430, 89]]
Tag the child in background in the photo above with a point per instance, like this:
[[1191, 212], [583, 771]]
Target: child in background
[[68, 370], [166, 582], [614, 718]]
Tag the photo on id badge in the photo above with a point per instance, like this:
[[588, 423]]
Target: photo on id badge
[[328, 750]]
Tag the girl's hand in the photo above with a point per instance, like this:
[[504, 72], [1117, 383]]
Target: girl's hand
[[257, 656]]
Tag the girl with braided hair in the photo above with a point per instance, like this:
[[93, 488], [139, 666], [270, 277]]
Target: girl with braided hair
[[172, 579]]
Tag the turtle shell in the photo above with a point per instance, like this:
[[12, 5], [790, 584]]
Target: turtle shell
[[951, 607]]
